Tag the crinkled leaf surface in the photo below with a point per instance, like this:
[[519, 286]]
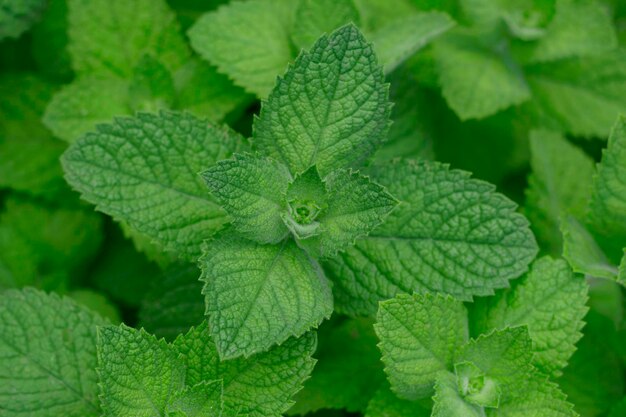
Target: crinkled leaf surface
[[449, 234], [47, 356], [420, 336], [260, 295], [144, 171], [330, 109]]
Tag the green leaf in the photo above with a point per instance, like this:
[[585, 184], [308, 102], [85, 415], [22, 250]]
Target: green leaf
[[143, 171], [347, 347], [151, 87], [17, 16], [550, 300], [314, 18], [420, 335], [205, 399], [82, 105], [402, 38], [449, 402], [582, 251], [608, 200], [621, 276], [578, 96], [260, 295], [619, 409], [578, 28], [174, 303], [560, 182], [257, 48], [540, 398], [252, 191], [97, 303], [123, 32], [386, 404], [330, 109], [477, 79], [442, 215], [355, 207], [47, 356], [259, 386], [139, 375]]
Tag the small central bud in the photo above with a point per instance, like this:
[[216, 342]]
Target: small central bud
[[304, 212]]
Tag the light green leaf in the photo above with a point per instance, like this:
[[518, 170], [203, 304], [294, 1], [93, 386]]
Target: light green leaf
[[260, 295], [608, 200], [252, 191], [578, 96], [123, 32], [347, 347], [330, 109], [257, 48], [259, 386], [386, 404], [420, 335], [139, 375], [477, 79], [355, 207], [583, 253], [47, 356], [540, 398], [449, 402], [550, 300], [315, 18], [560, 182], [80, 106], [97, 303], [151, 87], [442, 215], [144, 171], [578, 28], [17, 16], [205, 399], [403, 37]]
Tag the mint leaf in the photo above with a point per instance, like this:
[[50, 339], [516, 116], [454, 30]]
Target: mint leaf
[[578, 96], [17, 16], [252, 191], [449, 402], [87, 102], [540, 398], [386, 404], [420, 336], [259, 386], [608, 200], [329, 110], [139, 375], [550, 300], [97, 303], [47, 356], [151, 87], [315, 17], [560, 182], [203, 399], [441, 213], [577, 29], [260, 295], [143, 171], [583, 252], [257, 48], [477, 79], [115, 42]]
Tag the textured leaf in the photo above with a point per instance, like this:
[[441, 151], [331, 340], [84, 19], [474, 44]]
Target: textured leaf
[[143, 170], [449, 234], [582, 251], [420, 336], [80, 106], [578, 96], [449, 402], [476, 79], [17, 16], [550, 300], [315, 18], [259, 386], [386, 404], [347, 347], [329, 110], [560, 182], [174, 303], [256, 49], [123, 32], [577, 29], [252, 191], [541, 398], [139, 375], [260, 295], [608, 200], [47, 356], [403, 37], [205, 399]]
